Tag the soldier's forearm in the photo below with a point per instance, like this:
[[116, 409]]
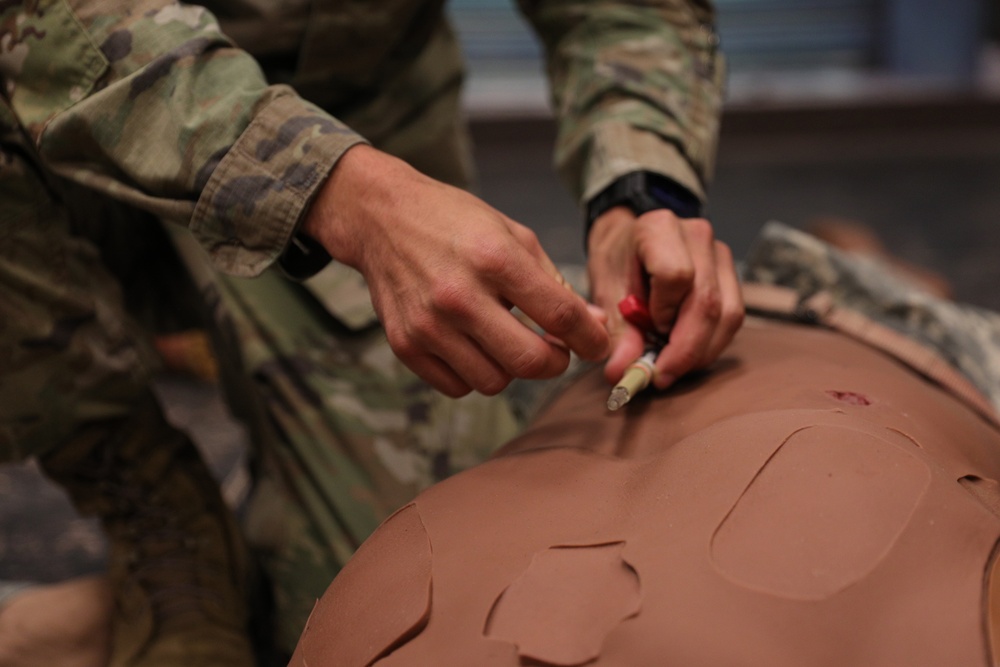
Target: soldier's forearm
[[154, 106], [636, 86]]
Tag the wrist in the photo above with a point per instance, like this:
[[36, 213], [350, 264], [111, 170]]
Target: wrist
[[339, 204], [610, 230], [641, 192]]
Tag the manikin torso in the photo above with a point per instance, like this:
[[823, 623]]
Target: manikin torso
[[808, 502]]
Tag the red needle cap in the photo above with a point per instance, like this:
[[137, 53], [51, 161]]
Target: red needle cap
[[636, 312]]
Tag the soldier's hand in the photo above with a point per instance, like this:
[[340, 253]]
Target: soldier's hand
[[444, 270], [687, 276]]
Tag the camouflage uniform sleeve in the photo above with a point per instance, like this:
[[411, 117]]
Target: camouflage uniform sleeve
[[636, 85], [150, 103]]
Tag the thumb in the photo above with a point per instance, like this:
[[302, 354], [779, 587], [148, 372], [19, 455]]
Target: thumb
[[627, 344]]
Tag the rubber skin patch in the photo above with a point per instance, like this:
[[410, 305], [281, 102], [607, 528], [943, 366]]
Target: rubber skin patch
[[361, 619], [821, 514], [561, 608]]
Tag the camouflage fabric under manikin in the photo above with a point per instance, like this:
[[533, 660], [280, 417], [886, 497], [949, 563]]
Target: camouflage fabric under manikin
[[965, 336]]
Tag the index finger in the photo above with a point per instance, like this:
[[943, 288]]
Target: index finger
[[556, 309], [696, 321]]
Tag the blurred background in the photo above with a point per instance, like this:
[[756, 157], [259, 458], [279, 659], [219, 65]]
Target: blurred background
[[881, 111]]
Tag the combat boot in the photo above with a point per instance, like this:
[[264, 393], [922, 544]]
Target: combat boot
[[178, 564]]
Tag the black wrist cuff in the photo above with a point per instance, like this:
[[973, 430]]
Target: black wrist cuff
[[643, 191], [303, 257]]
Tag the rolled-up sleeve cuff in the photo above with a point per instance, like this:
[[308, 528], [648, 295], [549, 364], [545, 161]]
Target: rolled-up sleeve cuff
[[618, 148], [259, 192]]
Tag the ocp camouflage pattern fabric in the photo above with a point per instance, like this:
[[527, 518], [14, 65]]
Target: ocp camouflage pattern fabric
[[153, 103], [225, 119]]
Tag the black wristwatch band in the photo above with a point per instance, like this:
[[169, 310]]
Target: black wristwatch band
[[303, 258], [643, 191]]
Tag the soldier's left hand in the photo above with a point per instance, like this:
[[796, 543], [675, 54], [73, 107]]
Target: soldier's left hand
[[444, 270], [687, 276]]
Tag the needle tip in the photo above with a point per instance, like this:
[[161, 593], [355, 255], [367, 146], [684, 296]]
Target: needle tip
[[619, 397]]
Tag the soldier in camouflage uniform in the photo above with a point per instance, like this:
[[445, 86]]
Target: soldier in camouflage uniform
[[277, 155]]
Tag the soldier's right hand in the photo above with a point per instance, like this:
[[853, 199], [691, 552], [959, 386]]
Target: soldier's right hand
[[444, 269]]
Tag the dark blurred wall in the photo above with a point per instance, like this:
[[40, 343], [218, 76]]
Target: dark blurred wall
[[925, 176]]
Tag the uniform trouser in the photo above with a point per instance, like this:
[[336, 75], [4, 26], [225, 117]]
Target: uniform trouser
[[343, 433]]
